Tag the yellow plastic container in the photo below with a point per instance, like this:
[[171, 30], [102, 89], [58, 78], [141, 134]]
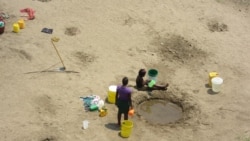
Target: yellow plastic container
[[21, 23], [103, 112], [16, 28], [126, 128], [211, 76], [112, 94]]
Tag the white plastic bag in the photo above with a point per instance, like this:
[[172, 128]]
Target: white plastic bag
[[85, 124], [100, 104]]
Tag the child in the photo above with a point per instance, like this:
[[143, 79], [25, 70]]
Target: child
[[140, 82]]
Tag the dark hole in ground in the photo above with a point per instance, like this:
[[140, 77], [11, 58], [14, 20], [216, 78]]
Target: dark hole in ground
[[176, 48], [44, 0], [215, 26], [84, 58], [48, 139], [72, 31], [158, 111]]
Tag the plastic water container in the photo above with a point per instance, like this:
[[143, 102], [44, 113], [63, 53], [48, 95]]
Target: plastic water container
[[93, 107], [131, 112], [126, 128], [112, 94], [85, 124], [16, 27], [211, 75], [2, 26], [21, 23], [216, 84], [103, 112], [151, 83], [152, 74]]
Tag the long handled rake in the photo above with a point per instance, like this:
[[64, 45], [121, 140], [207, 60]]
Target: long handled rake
[[54, 39], [62, 69]]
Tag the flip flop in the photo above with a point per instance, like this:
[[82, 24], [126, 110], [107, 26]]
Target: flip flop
[[47, 30]]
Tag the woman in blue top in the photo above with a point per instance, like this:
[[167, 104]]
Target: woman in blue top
[[123, 100]]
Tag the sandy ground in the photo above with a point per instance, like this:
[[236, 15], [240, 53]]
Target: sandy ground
[[107, 40]]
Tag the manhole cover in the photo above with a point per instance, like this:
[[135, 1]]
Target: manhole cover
[[157, 111]]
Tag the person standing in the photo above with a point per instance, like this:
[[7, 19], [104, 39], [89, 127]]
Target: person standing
[[123, 100]]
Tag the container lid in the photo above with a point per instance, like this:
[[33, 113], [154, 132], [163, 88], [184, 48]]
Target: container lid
[[217, 80], [113, 88]]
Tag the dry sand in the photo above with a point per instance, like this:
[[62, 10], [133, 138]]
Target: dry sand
[[106, 40]]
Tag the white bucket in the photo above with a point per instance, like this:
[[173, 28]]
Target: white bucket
[[216, 84]]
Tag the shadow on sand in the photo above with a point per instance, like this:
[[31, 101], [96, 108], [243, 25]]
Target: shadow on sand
[[113, 126]]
